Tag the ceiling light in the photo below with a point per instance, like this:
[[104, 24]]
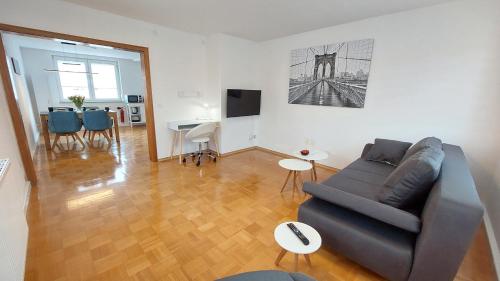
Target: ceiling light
[[101, 46]]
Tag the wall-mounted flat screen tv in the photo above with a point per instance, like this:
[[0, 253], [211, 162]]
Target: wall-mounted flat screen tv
[[242, 102]]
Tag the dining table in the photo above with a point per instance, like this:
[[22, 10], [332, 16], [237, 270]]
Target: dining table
[[44, 120]]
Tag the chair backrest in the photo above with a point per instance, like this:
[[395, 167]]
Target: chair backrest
[[64, 122], [202, 130], [96, 120], [60, 108], [88, 108]]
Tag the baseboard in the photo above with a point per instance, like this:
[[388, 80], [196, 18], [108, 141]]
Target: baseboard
[[277, 153], [495, 253], [27, 196], [238, 151], [260, 148]]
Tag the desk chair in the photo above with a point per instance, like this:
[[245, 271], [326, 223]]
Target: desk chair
[[65, 123], [97, 121], [201, 134]]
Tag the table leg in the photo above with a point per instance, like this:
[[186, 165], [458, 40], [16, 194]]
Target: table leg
[[314, 170], [296, 263], [216, 143], [280, 256], [172, 147], [45, 131], [294, 181], [299, 176], [181, 140], [287, 178], [308, 260], [117, 129]]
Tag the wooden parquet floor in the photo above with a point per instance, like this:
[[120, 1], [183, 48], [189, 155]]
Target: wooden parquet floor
[[113, 215]]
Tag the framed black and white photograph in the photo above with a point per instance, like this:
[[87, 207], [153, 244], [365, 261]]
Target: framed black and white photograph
[[331, 75]]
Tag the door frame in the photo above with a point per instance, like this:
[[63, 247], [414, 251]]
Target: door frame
[[15, 113]]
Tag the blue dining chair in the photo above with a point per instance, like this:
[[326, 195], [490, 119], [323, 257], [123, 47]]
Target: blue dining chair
[[97, 121], [87, 108], [65, 123]]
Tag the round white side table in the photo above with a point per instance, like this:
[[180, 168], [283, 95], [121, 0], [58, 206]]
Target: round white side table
[[313, 156], [295, 166], [289, 242]]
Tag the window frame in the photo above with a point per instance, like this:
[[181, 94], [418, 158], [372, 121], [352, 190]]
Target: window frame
[[90, 82]]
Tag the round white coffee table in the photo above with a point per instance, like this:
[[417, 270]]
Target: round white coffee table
[[295, 166], [313, 156], [291, 243]]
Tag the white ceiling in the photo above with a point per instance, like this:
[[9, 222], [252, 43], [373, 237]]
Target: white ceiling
[[257, 20], [79, 49]]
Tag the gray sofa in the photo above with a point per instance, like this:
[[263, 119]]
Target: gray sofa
[[425, 242]]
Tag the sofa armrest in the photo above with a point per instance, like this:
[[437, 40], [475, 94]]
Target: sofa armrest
[[367, 148], [365, 206]]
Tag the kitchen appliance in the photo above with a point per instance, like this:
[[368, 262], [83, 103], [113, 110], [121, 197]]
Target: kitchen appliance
[[135, 99], [135, 118], [135, 110], [136, 113]]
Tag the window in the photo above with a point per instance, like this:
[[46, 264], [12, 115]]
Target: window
[[94, 79], [73, 79]]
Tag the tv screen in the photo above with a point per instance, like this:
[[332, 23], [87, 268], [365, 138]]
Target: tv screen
[[242, 102]]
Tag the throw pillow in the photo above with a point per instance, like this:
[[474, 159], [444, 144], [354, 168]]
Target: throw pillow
[[387, 151], [411, 181], [423, 143]]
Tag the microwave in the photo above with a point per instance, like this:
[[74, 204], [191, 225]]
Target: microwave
[[135, 99]]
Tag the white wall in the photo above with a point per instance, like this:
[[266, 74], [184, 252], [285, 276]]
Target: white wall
[[46, 85], [13, 190], [435, 72], [22, 94], [237, 68]]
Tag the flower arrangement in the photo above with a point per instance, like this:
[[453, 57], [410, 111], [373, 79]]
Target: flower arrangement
[[77, 100]]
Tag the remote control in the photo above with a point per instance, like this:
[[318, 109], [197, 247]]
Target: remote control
[[299, 234]]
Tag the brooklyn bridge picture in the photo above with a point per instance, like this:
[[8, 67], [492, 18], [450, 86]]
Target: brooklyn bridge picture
[[331, 75]]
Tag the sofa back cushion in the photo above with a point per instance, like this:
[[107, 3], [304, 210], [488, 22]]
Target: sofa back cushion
[[387, 151], [423, 143], [411, 181]]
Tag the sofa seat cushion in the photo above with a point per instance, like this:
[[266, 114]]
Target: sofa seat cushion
[[385, 249], [364, 202], [371, 167], [357, 182]]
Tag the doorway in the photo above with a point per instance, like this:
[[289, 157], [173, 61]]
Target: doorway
[[8, 65]]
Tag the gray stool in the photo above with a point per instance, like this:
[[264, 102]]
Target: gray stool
[[268, 275]]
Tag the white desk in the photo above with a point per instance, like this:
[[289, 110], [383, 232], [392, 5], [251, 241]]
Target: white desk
[[181, 126]]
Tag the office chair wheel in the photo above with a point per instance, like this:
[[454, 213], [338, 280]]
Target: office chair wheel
[[198, 163], [184, 160], [215, 159]]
